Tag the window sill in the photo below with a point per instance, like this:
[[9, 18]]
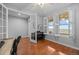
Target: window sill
[[48, 34]]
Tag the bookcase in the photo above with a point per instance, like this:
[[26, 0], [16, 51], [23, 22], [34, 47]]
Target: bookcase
[[3, 22]]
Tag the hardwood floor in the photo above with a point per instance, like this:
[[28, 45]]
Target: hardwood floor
[[43, 47]]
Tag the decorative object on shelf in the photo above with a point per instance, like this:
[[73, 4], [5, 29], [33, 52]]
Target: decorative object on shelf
[[39, 26], [50, 18], [33, 25]]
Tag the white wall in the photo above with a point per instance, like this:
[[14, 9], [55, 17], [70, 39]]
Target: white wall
[[77, 25], [39, 23], [74, 41], [17, 26]]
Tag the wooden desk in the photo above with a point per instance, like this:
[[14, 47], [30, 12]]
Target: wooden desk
[[7, 47]]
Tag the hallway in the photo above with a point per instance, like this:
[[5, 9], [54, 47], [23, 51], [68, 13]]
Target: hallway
[[43, 47]]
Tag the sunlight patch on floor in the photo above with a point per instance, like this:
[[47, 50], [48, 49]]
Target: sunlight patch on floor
[[51, 49], [60, 53]]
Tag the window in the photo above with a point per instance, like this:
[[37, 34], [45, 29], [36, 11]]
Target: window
[[50, 25], [64, 23]]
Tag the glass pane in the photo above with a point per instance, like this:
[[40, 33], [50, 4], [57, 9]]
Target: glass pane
[[64, 26], [64, 29], [70, 28]]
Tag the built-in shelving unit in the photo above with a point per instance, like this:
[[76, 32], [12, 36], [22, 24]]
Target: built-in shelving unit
[[3, 22], [1, 34], [45, 25]]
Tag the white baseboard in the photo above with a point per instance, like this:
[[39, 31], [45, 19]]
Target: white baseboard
[[63, 44]]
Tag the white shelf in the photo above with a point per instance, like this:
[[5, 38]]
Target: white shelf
[[3, 26], [3, 20], [2, 33]]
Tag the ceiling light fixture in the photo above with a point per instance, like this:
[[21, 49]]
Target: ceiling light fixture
[[41, 4]]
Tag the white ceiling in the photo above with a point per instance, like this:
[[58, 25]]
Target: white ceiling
[[35, 8], [17, 14]]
